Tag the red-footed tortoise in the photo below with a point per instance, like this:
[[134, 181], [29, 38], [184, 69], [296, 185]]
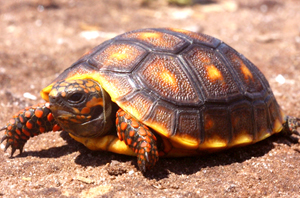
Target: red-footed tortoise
[[156, 92]]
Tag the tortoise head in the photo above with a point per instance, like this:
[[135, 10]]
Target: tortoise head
[[81, 107]]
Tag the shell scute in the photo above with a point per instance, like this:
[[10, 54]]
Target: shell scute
[[241, 115], [119, 57], [247, 73], [165, 76], [119, 85], [139, 105], [162, 119], [214, 78], [187, 130], [217, 128], [198, 37], [156, 40]]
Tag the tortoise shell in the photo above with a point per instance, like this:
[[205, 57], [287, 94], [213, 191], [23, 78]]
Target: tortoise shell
[[192, 89]]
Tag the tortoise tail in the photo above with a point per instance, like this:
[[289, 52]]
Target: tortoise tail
[[291, 125], [27, 123]]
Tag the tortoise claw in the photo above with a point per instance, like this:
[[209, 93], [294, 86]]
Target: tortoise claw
[[6, 146], [146, 161], [9, 144], [13, 149], [5, 137]]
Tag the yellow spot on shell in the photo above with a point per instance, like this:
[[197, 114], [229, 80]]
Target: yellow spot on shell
[[147, 35], [263, 135], [213, 73], [246, 71], [277, 126], [186, 142], [121, 55], [179, 30], [243, 138], [214, 142], [158, 127], [168, 78]]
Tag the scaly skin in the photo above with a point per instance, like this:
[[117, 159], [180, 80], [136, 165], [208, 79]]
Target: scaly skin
[[27, 123], [139, 138]]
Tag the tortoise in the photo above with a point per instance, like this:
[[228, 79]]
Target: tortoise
[[154, 93]]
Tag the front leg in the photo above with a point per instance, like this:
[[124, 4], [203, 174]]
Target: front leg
[[27, 123], [139, 138]]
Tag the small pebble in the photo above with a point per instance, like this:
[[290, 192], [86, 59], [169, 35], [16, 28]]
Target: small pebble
[[280, 79], [29, 96]]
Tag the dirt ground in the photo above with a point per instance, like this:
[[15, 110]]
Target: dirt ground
[[40, 38]]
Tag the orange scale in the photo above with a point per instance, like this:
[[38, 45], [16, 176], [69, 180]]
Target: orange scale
[[27, 114], [29, 125], [21, 119], [85, 110], [50, 117], [18, 131], [39, 113], [122, 113], [141, 151], [124, 126], [147, 138], [56, 127], [26, 132], [134, 124], [129, 141], [92, 89], [98, 88], [128, 116], [39, 122], [131, 133], [144, 144], [89, 83], [134, 144], [42, 129], [142, 132]]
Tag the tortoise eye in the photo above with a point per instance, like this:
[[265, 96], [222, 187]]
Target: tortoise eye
[[76, 98]]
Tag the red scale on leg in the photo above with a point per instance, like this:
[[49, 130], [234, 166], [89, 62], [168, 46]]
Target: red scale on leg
[[139, 138], [23, 126], [129, 141]]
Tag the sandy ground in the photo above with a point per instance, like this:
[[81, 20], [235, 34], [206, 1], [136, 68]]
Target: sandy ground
[[40, 38]]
